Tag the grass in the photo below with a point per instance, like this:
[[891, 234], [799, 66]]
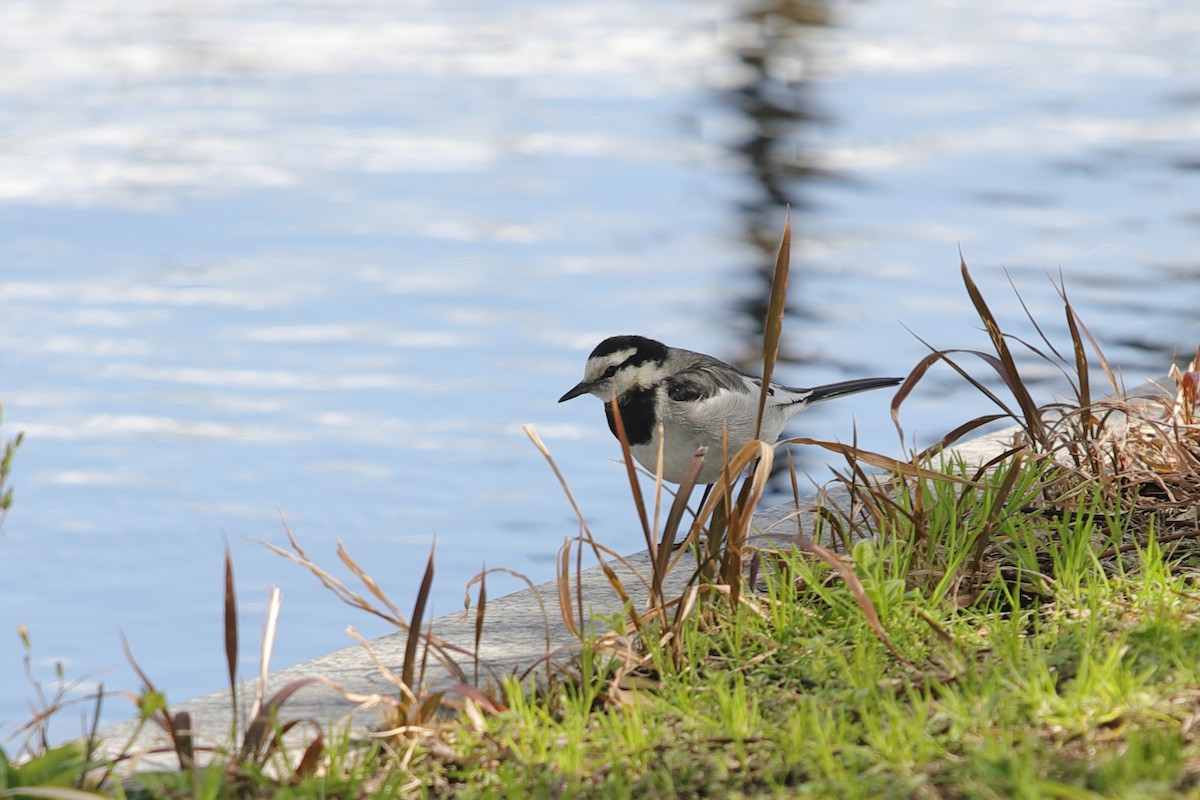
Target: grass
[[1028, 627], [1078, 683], [1085, 688]]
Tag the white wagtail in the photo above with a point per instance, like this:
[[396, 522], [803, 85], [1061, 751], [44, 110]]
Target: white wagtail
[[700, 401]]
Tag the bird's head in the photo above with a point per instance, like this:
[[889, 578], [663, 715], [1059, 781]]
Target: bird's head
[[620, 364]]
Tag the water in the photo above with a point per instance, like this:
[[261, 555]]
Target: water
[[318, 263]]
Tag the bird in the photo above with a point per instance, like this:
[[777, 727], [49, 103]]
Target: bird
[[700, 402]]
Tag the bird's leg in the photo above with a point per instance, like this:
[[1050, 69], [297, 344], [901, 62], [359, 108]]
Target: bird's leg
[[703, 499]]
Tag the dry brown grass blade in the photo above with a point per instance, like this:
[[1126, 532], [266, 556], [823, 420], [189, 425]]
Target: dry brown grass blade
[[146, 682], [231, 634], [773, 325], [268, 646], [1184, 398], [427, 708], [881, 461], [683, 494], [566, 606], [164, 718], [826, 517], [864, 493], [185, 739], [791, 470], [718, 496], [92, 741], [441, 649], [603, 551], [408, 673], [659, 460], [313, 755], [391, 677], [959, 432], [741, 518], [277, 751], [1080, 379], [725, 480], [256, 733], [488, 704], [579, 583], [936, 627], [923, 366], [631, 471], [480, 610], [1081, 365], [562, 481], [727, 522], [1010, 374], [563, 585], [856, 588], [572, 609], [263, 722], [1078, 326], [838, 565], [339, 589], [615, 582], [365, 578], [661, 555], [1033, 321], [870, 497], [716, 528]]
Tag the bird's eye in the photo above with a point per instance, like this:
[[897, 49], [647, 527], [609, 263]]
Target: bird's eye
[[608, 373]]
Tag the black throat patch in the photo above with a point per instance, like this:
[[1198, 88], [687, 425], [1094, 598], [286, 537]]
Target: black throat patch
[[637, 414]]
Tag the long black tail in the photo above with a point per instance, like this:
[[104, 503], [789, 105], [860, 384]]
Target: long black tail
[[832, 390]]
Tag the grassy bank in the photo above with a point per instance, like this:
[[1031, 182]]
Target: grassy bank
[[1025, 628], [1086, 685]]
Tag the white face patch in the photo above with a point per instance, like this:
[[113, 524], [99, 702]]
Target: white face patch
[[594, 369], [628, 379], [625, 378]]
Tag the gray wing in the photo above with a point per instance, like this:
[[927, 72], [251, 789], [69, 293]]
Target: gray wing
[[704, 376], [708, 376], [705, 381], [710, 398]]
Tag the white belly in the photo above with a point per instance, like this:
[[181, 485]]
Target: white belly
[[676, 460], [681, 447]]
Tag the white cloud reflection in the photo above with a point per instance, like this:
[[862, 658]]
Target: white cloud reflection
[[263, 379], [122, 426], [349, 332], [179, 100], [119, 293]]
